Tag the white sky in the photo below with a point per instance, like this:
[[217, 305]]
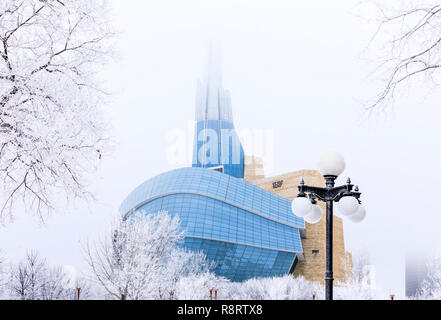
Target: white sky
[[293, 69]]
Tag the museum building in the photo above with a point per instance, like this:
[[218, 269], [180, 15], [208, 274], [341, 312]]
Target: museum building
[[229, 210]]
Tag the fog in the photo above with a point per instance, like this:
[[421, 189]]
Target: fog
[[298, 74]]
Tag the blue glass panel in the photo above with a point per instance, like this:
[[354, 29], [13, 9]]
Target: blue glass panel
[[221, 224], [214, 184], [247, 231], [239, 262], [216, 143]]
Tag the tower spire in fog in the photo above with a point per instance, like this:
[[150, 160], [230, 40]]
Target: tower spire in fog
[[216, 144]]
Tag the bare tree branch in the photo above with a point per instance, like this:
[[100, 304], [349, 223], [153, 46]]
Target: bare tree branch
[[52, 132], [413, 51]]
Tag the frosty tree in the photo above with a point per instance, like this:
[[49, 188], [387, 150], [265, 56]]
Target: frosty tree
[[413, 48], [3, 276], [360, 266], [431, 286], [141, 260], [277, 288], [33, 279], [179, 264], [51, 126]]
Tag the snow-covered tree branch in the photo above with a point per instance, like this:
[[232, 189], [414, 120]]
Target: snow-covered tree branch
[[33, 279], [144, 266], [278, 288], [3, 277], [51, 126], [140, 259], [413, 47], [431, 286]]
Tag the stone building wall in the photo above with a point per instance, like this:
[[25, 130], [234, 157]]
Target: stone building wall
[[286, 185], [253, 168]]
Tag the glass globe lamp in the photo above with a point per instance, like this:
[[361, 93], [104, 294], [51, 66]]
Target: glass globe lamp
[[314, 215], [301, 206], [348, 205], [331, 163], [359, 215]]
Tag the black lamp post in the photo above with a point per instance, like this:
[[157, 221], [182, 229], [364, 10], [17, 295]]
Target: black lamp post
[[331, 164]]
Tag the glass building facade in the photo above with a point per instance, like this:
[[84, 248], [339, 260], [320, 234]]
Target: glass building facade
[[247, 231], [216, 143]]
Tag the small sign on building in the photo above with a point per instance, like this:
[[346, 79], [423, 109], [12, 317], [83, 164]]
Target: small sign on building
[[277, 184]]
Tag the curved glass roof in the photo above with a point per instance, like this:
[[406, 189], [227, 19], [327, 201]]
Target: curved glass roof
[[216, 185]]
